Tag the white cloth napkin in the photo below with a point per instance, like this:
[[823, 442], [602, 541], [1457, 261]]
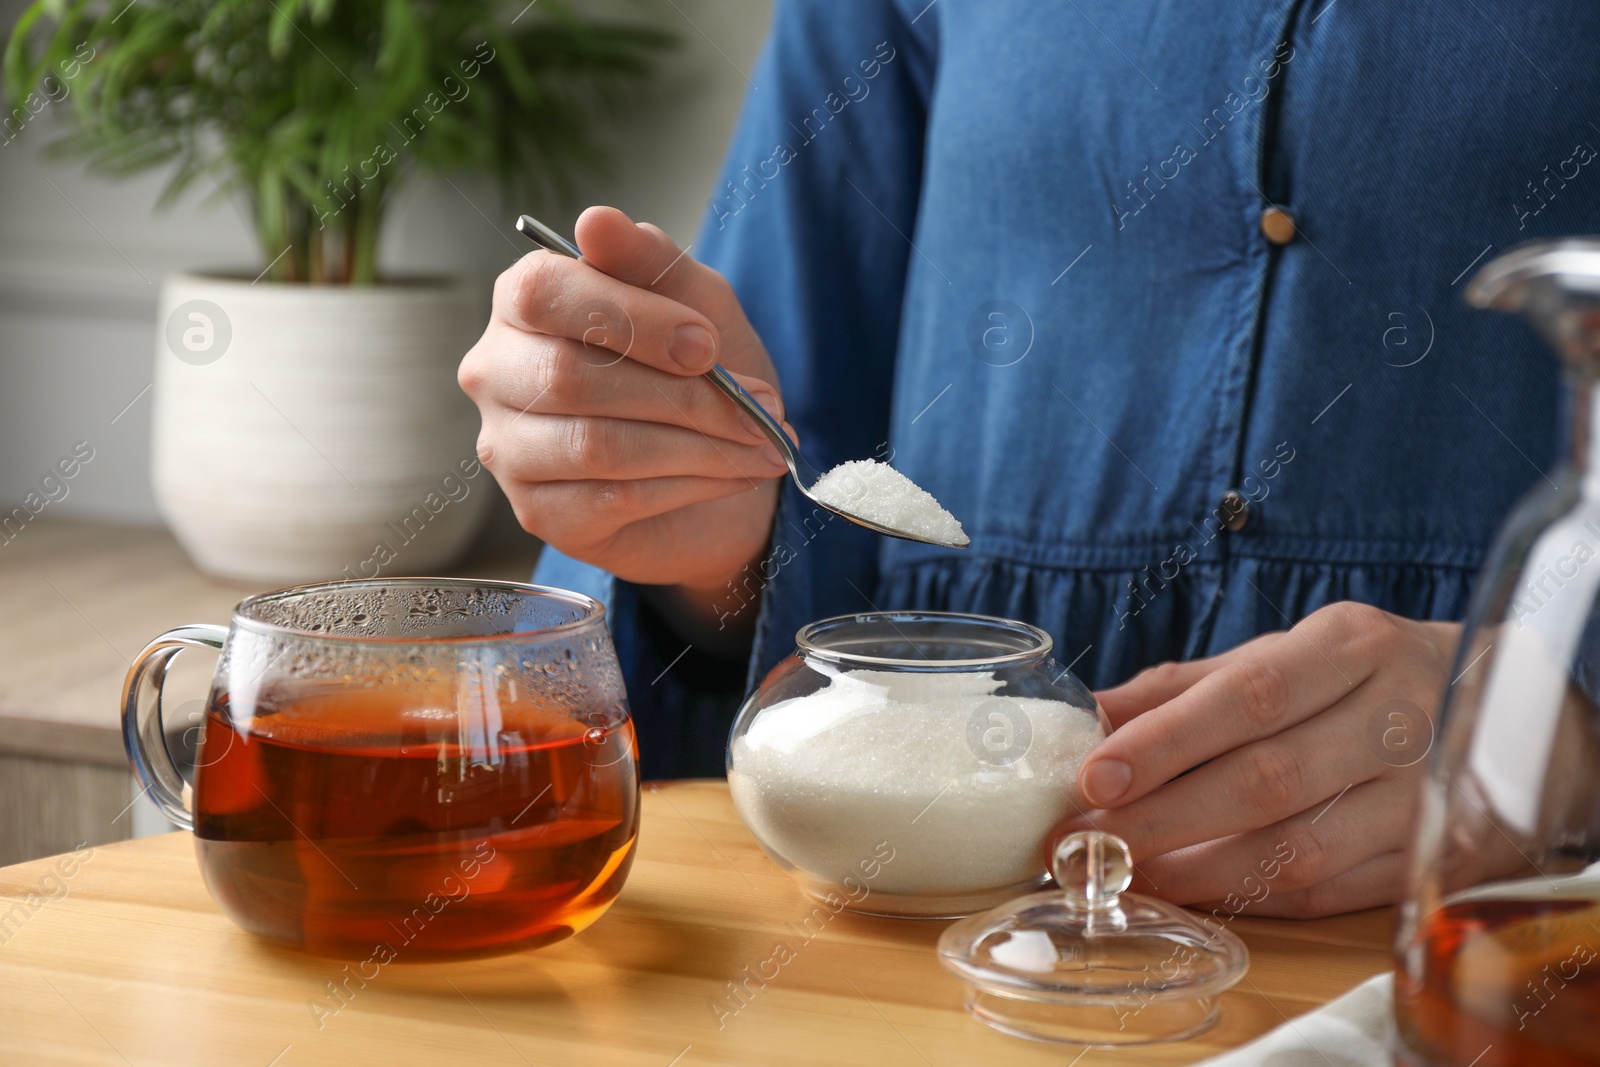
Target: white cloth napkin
[[1356, 1030]]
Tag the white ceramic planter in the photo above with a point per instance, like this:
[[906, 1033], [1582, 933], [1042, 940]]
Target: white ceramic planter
[[312, 432]]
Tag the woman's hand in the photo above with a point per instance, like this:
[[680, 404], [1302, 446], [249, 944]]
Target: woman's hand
[[1303, 751], [597, 424]]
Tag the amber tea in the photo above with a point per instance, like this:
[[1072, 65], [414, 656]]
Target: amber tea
[[353, 818], [1504, 983]]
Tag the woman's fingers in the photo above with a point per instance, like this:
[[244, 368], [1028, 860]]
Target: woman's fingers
[[1260, 765], [1374, 883], [1317, 845], [644, 256], [724, 412], [557, 376], [544, 293], [1154, 686], [567, 448], [1151, 688], [1262, 692], [1256, 785], [588, 515]]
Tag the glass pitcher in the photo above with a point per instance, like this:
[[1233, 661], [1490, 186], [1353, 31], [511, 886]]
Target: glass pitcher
[[1498, 945], [415, 768]]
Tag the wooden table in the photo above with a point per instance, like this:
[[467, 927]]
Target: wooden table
[[80, 599], [134, 965]]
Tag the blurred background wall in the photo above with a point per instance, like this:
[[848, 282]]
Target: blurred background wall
[[81, 257]]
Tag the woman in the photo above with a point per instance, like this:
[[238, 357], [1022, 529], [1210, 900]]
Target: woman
[[1164, 308]]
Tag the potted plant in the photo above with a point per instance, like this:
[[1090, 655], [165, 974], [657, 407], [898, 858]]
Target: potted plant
[[307, 422]]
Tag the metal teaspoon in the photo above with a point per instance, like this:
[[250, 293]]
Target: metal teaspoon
[[804, 474]]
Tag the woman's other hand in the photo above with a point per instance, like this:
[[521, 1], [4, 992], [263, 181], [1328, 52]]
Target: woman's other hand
[[1303, 752]]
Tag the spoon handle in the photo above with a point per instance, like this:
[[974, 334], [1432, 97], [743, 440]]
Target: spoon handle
[[551, 241], [546, 238], [804, 473]]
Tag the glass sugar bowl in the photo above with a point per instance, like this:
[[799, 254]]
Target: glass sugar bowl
[[913, 763]]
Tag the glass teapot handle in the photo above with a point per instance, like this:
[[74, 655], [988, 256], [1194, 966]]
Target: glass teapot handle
[[142, 732]]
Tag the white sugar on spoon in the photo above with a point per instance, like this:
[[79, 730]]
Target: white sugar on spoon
[[893, 504], [867, 489]]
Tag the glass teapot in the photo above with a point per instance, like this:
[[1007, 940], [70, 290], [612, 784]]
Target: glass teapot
[[1498, 945]]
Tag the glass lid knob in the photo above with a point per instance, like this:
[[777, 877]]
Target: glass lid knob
[[1092, 868]]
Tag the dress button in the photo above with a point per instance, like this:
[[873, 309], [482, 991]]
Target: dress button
[[1234, 511], [1277, 225]]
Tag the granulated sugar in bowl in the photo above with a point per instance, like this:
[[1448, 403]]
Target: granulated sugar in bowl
[[913, 763]]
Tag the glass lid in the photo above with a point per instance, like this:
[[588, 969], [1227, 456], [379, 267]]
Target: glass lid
[[1090, 964]]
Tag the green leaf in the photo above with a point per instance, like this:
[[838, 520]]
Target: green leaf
[[316, 111]]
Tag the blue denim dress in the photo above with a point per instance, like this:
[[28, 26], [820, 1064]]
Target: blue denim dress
[[1162, 301]]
